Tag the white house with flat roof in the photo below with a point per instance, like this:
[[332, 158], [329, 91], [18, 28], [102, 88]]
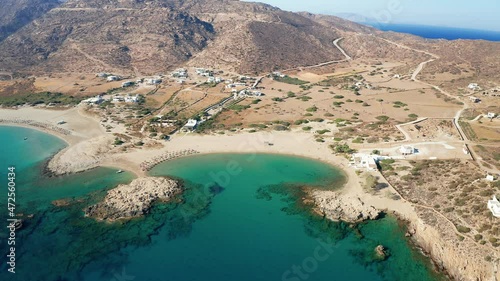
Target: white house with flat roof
[[127, 84], [364, 161], [407, 150], [95, 100], [190, 125], [118, 99], [474, 86], [153, 81], [494, 206], [113, 78], [132, 99]]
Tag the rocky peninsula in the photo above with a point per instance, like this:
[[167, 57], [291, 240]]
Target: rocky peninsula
[[134, 199], [339, 207]]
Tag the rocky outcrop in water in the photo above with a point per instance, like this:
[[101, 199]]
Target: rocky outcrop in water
[[134, 199], [344, 208], [381, 253]]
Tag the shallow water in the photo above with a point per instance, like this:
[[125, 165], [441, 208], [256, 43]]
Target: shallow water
[[240, 218]]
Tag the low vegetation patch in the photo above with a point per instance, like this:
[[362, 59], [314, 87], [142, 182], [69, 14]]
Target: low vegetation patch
[[40, 98], [290, 80]]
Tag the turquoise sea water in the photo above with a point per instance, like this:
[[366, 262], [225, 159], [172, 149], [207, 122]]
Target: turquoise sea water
[[241, 217]]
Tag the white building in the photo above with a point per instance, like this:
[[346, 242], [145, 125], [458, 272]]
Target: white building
[[211, 79], [180, 73], [118, 99], [474, 86], [407, 150], [246, 94], [113, 78], [127, 84], [234, 85], [153, 81], [199, 71], [190, 125], [491, 115], [94, 100], [279, 74], [132, 99], [494, 207], [490, 178], [203, 72], [364, 161], [397, 76]]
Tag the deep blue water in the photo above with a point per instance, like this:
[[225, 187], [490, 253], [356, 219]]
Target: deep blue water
[[438, 32]]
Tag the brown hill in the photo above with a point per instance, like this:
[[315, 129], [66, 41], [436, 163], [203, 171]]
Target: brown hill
[[153, 36], [15, 14]]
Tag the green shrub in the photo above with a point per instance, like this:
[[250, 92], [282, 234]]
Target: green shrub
[[463, 229], [312, 109]]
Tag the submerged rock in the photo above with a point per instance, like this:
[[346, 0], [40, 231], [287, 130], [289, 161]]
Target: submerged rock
[[61, 202], [381, 253], [134, 199], [216, 189]]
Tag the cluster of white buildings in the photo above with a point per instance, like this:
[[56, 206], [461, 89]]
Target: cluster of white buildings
[[204, 72], [235, 85], [180, 73], [215, 80]]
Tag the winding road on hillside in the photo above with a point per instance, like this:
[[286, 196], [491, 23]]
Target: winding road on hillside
[[336, 44]]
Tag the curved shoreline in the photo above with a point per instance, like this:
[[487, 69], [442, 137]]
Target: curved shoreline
[[297, 144], [43, 130]]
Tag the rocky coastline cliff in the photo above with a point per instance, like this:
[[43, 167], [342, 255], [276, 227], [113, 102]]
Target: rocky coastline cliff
[[348, 208], [133, 200]]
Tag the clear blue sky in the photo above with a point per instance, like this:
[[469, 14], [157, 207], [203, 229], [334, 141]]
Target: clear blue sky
[[476, 14]]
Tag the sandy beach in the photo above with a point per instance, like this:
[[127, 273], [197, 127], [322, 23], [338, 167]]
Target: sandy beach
[[91, 146]]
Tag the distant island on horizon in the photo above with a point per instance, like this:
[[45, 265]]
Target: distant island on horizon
[[439, 32]]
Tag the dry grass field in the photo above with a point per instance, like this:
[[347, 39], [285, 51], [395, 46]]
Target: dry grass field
[[456, 189]]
